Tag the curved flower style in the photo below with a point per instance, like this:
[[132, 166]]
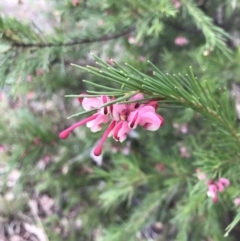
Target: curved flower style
[[123, 118], [95, 121]]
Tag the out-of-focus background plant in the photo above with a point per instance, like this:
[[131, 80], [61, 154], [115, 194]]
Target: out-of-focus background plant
[[158, 185]]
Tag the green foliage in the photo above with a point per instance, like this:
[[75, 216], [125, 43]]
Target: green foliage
[[215, 36]]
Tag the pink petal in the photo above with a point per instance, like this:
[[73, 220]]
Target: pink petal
[[181, 41], [150, 121], [80, 99], [212, 192], [215, 198], [177, 3], [153, 104], [107, 109], [91, 103], [212, 188], [137, 97], [146, 108], [133, 119], [161, 119], [96, 124], [237, 201], [134, 105], [117, 110], [200, 175], [225, 182], [2, 148], [121, 131], [220, 186]]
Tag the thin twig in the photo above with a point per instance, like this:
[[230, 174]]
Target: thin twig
[[82, 41]]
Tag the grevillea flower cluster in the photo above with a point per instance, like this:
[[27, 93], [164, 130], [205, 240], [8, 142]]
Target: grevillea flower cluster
[[217, 186], [214, 187], [122, 118]]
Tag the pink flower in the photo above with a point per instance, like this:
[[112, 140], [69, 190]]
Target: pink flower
[[145, 116], [91, 103], [120, 131], [184, 152], [40, 72], [219, 186], [123, 118], [75, 2], [110, 61], [177, 3], [224, 181], [135, 105], [96, 124], [29, 78], [181, 41], [2, 148], [215, 187], [30, 95], [160, 167], [150, 120], [95, 121], [200, 175], [212, 192], [183, 128], [132, 40], [237, 201], [132, 115]]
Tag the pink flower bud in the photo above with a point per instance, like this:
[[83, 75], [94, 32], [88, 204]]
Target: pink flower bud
[[181, 41]]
